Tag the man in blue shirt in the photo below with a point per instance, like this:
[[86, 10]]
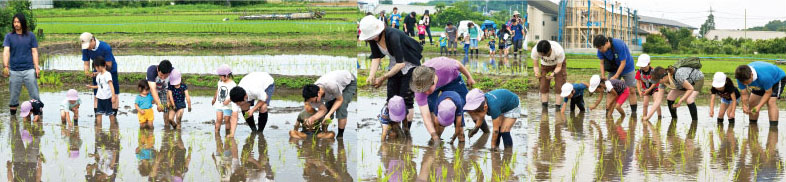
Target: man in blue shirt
[[395, 18], [615, 59], [766, 82], [92, 48], [518, 36]]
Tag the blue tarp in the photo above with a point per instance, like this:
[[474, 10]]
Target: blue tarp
[[489, 24]]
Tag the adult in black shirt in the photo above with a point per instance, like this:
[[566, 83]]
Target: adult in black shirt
[[409, 24], [404, 54]]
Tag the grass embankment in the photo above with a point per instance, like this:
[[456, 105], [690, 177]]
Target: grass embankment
[[200, 27], [484, 82]]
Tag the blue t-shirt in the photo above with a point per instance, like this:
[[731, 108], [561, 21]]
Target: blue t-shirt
[[395, 18], [21, 50], [623, 53], [578, 89], [519, 32], [767, 75], [145, 102], [501, 101], [104, 50], [457, 100]]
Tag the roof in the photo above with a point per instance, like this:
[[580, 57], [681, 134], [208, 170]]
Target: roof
[[545, 6], [667, 22], [404, 9], [755, 35]]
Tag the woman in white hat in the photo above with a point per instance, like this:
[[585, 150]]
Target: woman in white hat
[[404, 54], [616, 89], [724, 88]]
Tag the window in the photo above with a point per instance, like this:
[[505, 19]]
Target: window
[[554, 38], [544, 23], [537, 37], [553, 18]]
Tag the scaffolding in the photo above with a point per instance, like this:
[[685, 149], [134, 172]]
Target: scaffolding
[[581, 20]]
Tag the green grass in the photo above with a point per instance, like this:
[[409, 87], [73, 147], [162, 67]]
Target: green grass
[[189, 9]]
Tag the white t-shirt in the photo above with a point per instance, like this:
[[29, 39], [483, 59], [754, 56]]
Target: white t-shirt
[[102, 81], [67, 106], [255, 85], [223, 94], [556, 57], [334, 83]]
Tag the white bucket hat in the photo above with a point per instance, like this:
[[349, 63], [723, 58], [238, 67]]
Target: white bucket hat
[[370, 27], [567, 88], [644, 60], [719, 80]]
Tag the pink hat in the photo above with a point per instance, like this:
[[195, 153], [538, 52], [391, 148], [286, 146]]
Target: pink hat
[[174, 77], [224, 69], [72, 95], [26, 107], [74, 154], [397, 109], [26, 136], [475, 97], [447, 112]]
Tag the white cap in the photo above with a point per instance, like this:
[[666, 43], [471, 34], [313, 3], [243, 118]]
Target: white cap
[[420, 22], [644, 60], [567, 88], [719, 80], [594, 82], [85, 39]]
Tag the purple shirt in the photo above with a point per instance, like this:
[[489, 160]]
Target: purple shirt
[[447, 70]]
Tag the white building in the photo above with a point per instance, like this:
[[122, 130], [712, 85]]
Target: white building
[[542, 17], [735, 34]]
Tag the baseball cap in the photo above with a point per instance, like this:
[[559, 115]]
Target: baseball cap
[[72, 95], [644, 60], [85, 39], [397, 109], [594, 82], [567, 88], [475, 97], [26, 107], [447, 112], [719, 80], [224, 69]]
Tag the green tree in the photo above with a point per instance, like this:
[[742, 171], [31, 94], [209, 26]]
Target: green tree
[[458, 12], [708, 25], [656, 44], [679, 39], [13, 7]]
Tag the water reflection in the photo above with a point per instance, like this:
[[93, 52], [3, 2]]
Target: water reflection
[[624, 148], [496, 65], [26, 159], [321, 161], [105, 155], [241, 64]]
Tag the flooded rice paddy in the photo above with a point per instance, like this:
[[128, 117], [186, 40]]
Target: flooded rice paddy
[[51, 152], [494, 65], [294, 64], [415, 159], [589, 147]]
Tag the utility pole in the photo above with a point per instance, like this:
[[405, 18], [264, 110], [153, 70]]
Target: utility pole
[[745, 29]]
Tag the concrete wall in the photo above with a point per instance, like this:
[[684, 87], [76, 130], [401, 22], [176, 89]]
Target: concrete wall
[[542, 26]]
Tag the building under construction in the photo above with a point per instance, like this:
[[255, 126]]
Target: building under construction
[[573, 23]]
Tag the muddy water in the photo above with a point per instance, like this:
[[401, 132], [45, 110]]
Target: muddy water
[[584, 147], [122, 152], [296, 64], [415, 159], [496, 65]]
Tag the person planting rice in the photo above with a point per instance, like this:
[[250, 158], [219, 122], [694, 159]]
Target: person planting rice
[[729, 96], [93, 48], [646, 86], [684, 80], [179, 99], [616, 90], [313, 129], [391, 116], [70, 106], [503, 107], [552, 65], [404, 54], [330, 94], [448, 114], [766, 82], [615, 59], [430, 80], [32, 110], [253, 94], [575, 93], [104, 92], [158, 80]]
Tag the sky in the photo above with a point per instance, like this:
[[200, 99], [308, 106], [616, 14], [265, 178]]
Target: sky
[[729, 14]]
